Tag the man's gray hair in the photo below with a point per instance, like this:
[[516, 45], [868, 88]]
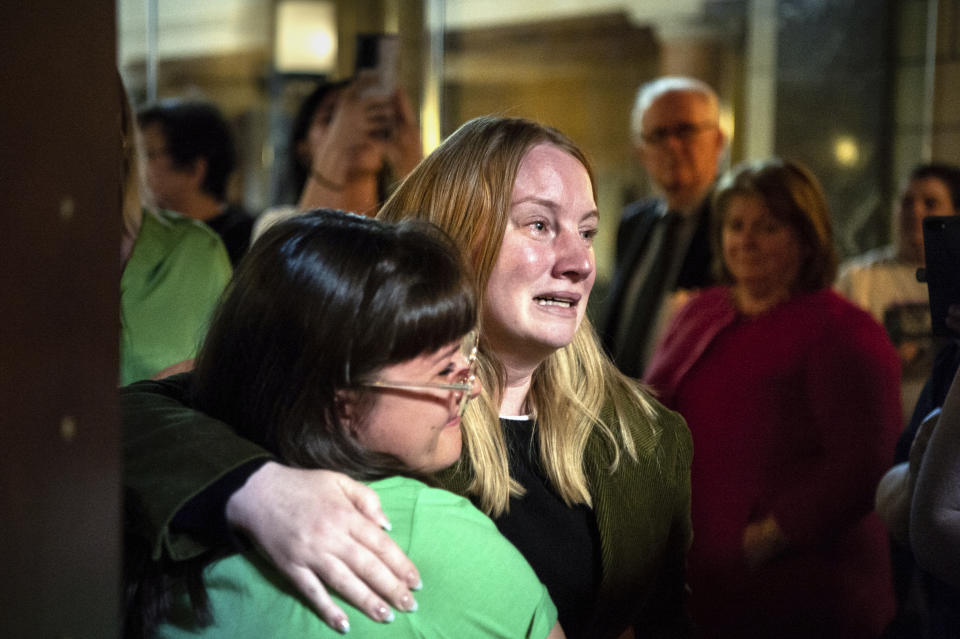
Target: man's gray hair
[[652, 90]]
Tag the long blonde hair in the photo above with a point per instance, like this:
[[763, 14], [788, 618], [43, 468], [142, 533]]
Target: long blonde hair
[[465, 187], [131, 174]]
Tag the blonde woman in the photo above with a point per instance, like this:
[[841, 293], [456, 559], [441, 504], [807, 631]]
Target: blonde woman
[[583, 471]]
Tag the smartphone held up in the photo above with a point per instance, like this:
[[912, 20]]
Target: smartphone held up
[[941, 247]]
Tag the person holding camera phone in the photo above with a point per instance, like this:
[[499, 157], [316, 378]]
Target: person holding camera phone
[[883, 281], [350, 140]]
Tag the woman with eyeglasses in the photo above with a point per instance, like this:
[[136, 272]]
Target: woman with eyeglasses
[[578, 466], [381, 404]]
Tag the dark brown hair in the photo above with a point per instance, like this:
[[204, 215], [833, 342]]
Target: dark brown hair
[[321, 304], [794, 196]]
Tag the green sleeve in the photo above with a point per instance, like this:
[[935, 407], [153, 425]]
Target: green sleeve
[[172, 453]]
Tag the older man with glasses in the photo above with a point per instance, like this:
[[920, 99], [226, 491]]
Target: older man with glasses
[[663, 245]]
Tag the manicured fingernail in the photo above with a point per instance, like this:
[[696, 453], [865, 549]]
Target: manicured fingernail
[[408, 603], [343, 627], [418, 585], [389, 618], [385, 615], [386, 525]]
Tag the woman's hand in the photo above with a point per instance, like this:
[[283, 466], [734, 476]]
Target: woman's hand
[[175, 369], [360, 117], [320, 527], [762, 541], [405, 147]]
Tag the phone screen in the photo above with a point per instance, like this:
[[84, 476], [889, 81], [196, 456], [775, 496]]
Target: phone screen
[[941, 248], [380, 52]]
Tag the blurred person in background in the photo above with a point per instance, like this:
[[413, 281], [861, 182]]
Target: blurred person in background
[[663, 249], [190, 157], [884, 281], [174, 269], [935, 514], [791, 393], [348, 145]]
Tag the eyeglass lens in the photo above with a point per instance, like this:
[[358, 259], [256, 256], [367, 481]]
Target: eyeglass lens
[[683, 132]]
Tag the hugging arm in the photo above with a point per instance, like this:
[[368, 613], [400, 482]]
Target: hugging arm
[[319, 527]]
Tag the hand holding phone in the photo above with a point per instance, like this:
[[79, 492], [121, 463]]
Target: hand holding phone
[[379, 52], [941, 247]]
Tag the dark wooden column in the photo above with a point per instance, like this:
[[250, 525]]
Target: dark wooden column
[[59, 289]]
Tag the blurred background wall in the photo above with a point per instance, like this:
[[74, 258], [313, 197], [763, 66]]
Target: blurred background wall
[[860, 90]]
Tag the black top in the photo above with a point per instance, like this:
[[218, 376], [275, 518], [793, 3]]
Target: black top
[[234, 227], [561, 543]]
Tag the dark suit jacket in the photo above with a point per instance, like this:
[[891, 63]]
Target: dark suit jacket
[[234, 227], [632, 238]]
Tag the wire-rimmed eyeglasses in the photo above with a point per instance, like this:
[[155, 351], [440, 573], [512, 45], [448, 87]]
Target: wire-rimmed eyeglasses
[[468, 348], [684, 131]]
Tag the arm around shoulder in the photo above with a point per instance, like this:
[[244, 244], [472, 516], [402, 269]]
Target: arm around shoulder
[[171, 454]]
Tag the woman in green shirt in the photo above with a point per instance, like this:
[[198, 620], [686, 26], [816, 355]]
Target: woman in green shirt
[[347, 344]]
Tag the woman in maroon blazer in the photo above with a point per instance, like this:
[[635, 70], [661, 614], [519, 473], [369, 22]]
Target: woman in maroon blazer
[[791, 394]]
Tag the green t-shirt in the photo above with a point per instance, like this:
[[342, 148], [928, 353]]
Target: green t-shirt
[[168, 290], [475, 583]]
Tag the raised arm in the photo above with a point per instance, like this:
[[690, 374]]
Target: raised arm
[[318, 527]]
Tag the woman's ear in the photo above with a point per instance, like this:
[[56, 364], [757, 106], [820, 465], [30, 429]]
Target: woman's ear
[[348, 409]]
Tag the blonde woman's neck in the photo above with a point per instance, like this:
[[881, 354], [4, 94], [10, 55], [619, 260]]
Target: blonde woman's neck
[[515, 393]]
